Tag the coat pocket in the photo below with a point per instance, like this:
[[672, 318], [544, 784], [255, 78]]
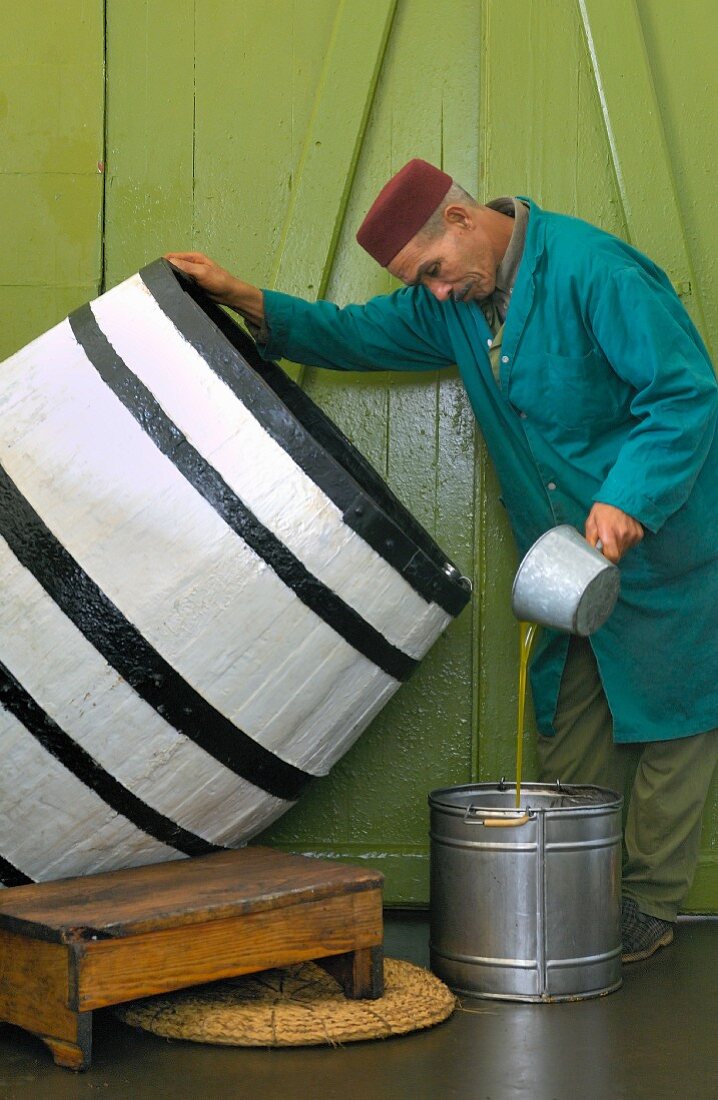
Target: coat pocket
[[580, 393]]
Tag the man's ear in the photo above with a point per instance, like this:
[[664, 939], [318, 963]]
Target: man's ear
[[458, 216]]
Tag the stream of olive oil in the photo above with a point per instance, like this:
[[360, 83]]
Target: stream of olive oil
[[527, 633]]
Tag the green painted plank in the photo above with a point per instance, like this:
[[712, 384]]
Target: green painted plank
[[541, 124], [36, 31], [27, 312], [406, 871], [255, 86], [685, 78], [51, 117], [331, 146], [51, 86], [640, 154], [325, 171], [496, 670], [150, 132], [51, 153], [704, 892], [51, 226], [248, 158]]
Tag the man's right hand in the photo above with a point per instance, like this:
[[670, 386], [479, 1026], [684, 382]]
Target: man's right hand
[[616, 530], [220, 286]]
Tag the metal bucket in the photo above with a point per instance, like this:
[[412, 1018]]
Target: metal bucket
[[525, 904], [564, 583]]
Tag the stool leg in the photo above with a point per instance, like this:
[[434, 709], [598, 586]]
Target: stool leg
[[360, 973], [73, 1051]]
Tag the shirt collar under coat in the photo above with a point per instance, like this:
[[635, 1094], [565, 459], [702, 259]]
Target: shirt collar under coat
[[507, 270], [524, 288]]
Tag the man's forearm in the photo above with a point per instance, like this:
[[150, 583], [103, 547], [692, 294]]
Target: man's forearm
[[248, 301]]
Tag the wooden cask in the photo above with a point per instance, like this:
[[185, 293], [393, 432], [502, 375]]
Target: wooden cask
[[207, 592]]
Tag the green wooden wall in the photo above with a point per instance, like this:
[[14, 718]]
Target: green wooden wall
[[52, 102], [260, 132]]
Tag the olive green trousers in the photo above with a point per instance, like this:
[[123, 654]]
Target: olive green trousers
[[664, 783]]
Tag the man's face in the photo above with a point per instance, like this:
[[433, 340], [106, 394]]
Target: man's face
[[459, 264]]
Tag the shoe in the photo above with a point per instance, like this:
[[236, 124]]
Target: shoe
[[641, 933]]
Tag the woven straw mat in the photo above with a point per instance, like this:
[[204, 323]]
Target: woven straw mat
[[299, 1005]]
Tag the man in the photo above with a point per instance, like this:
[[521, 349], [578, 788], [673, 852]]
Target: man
[[598, 404]]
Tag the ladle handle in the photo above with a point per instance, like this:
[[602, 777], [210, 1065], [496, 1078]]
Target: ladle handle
[[506, 822]]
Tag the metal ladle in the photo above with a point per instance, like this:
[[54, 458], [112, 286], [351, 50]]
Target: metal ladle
[[565, 584]]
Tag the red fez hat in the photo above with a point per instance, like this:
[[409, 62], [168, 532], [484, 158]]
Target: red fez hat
[[401, 208]]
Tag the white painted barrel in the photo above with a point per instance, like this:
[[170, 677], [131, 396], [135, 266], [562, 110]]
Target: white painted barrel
[[207, 592]]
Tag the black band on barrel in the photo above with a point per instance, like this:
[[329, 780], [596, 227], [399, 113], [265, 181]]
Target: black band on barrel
[[11, 876], [15, 699], [203, 477], [311, 439], [123, 647]]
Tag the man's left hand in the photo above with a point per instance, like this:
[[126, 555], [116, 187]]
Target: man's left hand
[[616, 530]]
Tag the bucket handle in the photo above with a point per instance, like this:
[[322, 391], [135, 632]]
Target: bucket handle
[[496, 822], [506, 822]]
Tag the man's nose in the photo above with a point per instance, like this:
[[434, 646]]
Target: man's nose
[[441, 291]]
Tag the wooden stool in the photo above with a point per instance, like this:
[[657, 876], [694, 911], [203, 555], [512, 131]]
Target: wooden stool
[[71, 946]]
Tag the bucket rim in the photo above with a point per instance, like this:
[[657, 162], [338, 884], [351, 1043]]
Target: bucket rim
[[440, 797]]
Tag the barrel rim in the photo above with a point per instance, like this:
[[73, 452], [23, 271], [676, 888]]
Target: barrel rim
[[369, 507]]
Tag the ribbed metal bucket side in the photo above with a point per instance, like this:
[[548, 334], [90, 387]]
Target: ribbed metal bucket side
[[526, 911]]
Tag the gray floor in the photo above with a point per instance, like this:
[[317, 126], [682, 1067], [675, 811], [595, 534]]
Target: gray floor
[[656, 1037]]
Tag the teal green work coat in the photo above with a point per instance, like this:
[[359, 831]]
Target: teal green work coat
[[606, 394]]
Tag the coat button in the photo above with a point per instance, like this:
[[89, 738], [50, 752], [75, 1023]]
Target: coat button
[[523, 415], [551, 485], [504, 358]]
